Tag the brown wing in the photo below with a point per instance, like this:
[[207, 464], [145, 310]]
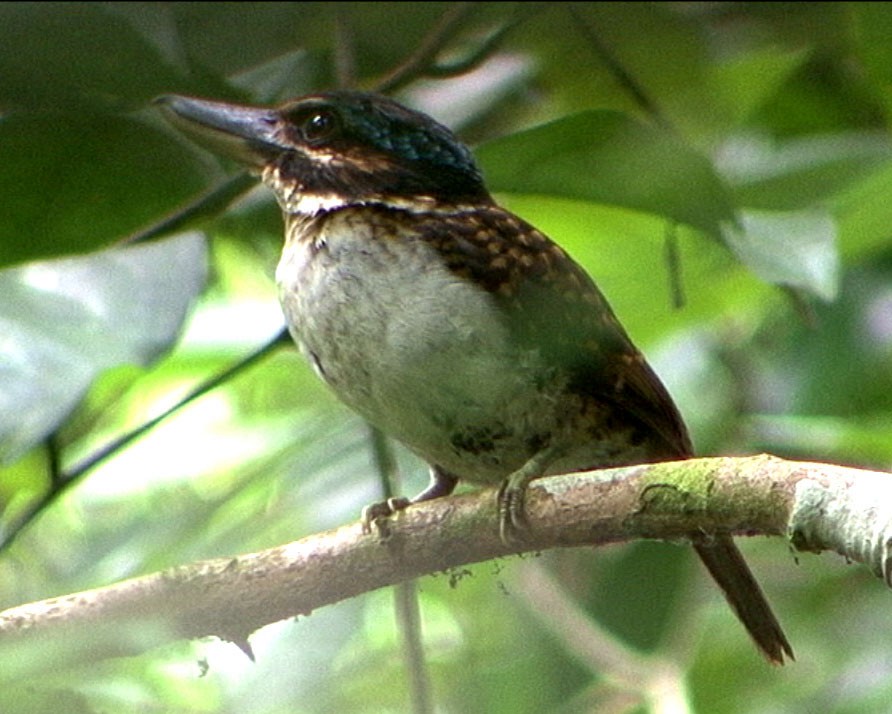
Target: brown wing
[[551, 304]]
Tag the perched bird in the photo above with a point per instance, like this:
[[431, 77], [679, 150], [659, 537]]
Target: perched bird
[[445, 320]]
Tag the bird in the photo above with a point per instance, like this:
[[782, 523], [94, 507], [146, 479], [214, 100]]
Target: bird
[[446, 321]]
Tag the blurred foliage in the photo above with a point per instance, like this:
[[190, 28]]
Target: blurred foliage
[[749, 140]]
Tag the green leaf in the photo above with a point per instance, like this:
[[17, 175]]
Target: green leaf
[[794, 249], [55, 55], [745, 83], [75, 182], [286, 75], [608, 157], [872, 26], [796, 173], [625, 253], [65, 321], [864, 212], [840, 437]]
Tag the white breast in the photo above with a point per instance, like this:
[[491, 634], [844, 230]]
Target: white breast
[[418, 351]]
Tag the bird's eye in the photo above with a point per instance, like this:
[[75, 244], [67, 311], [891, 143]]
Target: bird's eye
[[319, 126]]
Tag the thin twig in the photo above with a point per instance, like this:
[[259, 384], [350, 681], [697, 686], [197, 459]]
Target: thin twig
[[479, 55], [656, 680], [421, 59], [673, 266], [385, 462], [623, 77], [210, 203], [344, 48], [54, 459], [801, 303], [405, 595], [69, 477], [408, 615]]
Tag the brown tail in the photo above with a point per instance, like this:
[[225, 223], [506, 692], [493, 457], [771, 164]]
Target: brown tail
[[728, 568]]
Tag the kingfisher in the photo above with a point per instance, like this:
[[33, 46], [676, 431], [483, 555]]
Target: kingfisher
[[445, 320]]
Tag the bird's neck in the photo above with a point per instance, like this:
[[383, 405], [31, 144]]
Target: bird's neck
[[299, 201]]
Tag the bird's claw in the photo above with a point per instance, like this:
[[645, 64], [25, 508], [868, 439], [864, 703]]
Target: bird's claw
[[375, 513], [513, 523]]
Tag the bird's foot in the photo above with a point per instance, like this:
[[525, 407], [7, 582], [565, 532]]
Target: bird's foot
[[513, 523], [376, 513], [442, 483]]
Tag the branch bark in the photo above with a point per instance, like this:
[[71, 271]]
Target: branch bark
[[816, 506]]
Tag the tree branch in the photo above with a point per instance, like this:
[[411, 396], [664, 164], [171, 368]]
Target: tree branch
[[817, 506], [427, 49]]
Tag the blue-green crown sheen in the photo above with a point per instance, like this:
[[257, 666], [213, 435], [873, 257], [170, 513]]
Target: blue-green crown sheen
[[382, 124]]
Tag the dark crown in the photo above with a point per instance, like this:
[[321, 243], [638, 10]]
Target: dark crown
[[376, 145]]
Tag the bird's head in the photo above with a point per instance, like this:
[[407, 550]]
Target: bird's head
[[334, 149]]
